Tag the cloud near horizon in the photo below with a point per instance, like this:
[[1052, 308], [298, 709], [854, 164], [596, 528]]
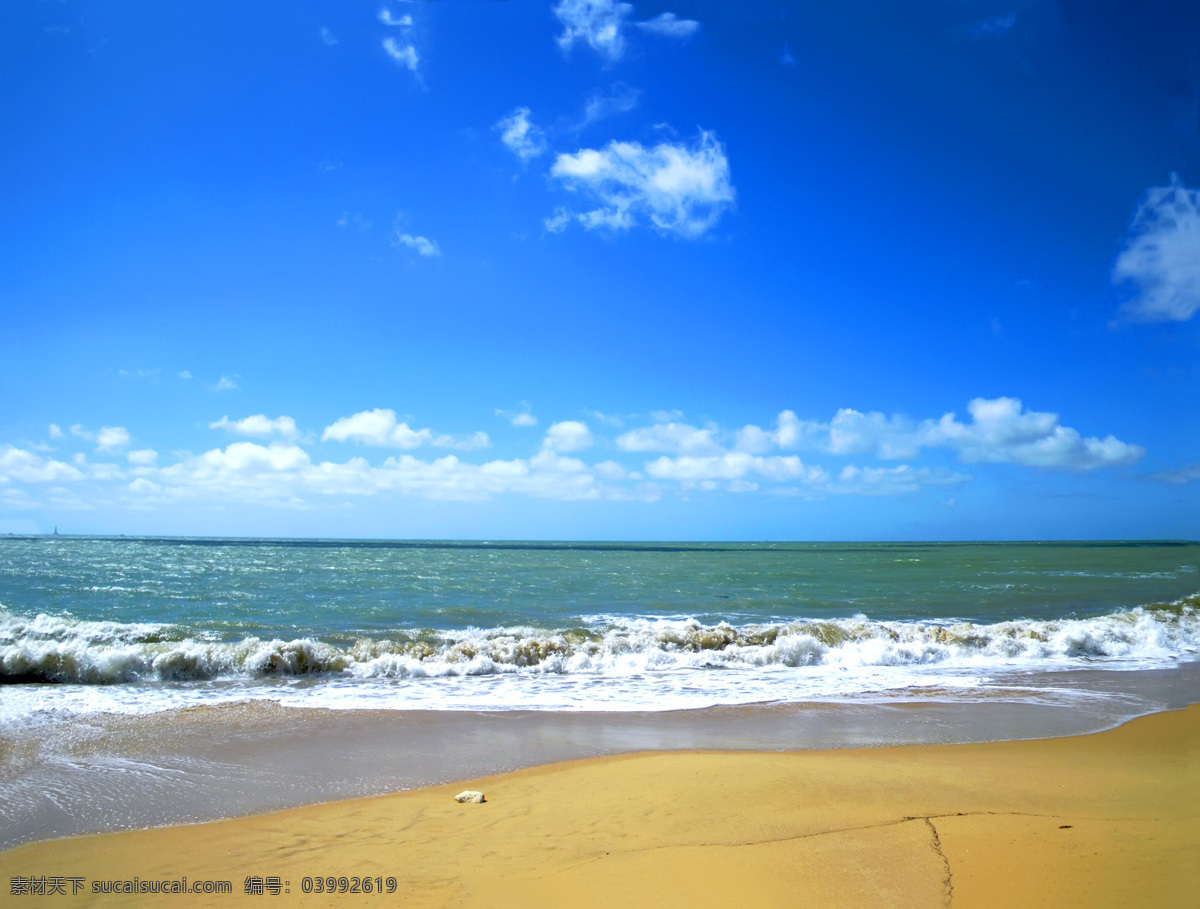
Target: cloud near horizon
[[381, 428], [656, 459]]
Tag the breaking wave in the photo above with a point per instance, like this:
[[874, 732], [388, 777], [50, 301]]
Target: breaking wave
[[60, 650]]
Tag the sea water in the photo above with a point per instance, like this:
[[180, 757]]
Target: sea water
[[139, 625]]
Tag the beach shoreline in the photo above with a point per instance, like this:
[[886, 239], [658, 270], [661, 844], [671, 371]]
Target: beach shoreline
[[1107, 818], [93, 774]]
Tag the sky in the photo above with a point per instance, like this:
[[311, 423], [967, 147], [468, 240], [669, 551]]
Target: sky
[[583, 269]]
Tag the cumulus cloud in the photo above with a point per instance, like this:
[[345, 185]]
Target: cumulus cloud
[[523, 138], [789, 432], [1161, 258], [112, 438], [602, 24], [259, 426], [226, 383], [328, 37], [380, 427], [732, 465], [568, 435], [1000, 430], [55, 431], [423, 246], [675, 437], [680, 189], [401, 54], [279, 471], [283, 475], [27, 467]]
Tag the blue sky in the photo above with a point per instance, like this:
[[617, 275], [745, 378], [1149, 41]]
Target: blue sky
[[584, 269]]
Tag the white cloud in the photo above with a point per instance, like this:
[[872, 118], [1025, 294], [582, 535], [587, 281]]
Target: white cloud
[[328, 37], [679, 189], [259, 426], [226, 383], [1161, 257], [523, 138], [55, 432], [597, 23], [380, 427], [376, 427], [521, 418], [26, 467], [388, 18], [669, 26], [674, 437], [402, 55], [890, 438], [1000, 430], [789, 432], [422, 245], [568, 435], [601, 25], [143, 457], [184, 374], [282, 475], [732, 465], [112, 438], [750, 460]]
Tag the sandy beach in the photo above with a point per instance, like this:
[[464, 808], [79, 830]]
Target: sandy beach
[[1108, 819]]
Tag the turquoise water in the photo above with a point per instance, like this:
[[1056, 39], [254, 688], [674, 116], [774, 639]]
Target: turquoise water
[[137, 624]]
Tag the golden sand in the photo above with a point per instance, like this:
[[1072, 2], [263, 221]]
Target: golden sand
[[1111, 819]]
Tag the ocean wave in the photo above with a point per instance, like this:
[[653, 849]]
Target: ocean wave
[[62, 650]]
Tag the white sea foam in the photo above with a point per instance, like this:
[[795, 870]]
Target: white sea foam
[[51, 649]]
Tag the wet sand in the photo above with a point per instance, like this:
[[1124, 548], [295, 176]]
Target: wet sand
[[99, 773], [1108, 819]]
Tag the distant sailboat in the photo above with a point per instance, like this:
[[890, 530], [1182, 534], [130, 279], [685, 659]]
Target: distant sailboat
[[56, 530]]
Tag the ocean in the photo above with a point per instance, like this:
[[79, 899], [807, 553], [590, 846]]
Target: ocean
[[138, 625]]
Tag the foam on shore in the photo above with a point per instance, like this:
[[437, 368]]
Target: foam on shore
[[603, 663]]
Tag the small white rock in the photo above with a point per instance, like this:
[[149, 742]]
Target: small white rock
[[470, 795]]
